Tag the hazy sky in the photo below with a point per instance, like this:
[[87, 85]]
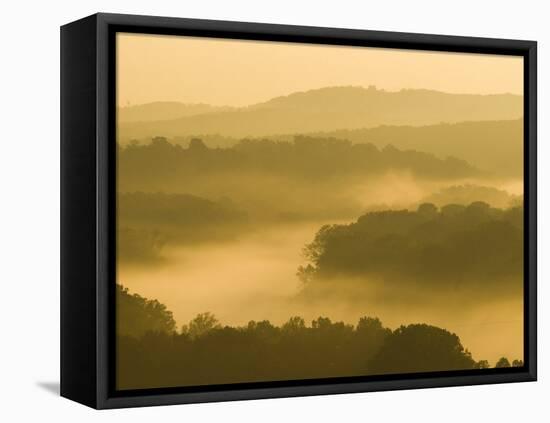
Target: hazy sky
[[239, 73]]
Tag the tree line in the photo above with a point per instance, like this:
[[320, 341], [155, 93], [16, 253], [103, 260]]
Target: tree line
[[476, 246], [158, 162], [148, 221], [151, 352]]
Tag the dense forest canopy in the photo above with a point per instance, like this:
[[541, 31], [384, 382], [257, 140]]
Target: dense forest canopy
[[474, 247], [471, 141], [150, 164], [307, 179], [152, 353]]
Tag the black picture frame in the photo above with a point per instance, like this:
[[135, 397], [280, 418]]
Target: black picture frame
[[88, 205]]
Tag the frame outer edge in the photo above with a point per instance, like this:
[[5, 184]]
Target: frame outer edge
[[78, 242], [532, 229], [103, 218]]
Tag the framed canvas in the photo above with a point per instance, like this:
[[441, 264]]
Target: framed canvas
[[256, 211]]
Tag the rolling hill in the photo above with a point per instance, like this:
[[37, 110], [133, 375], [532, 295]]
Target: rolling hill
[[164, 110], [495, 146], [326, 109]]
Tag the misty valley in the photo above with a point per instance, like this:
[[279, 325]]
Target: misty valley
[[319, 244]]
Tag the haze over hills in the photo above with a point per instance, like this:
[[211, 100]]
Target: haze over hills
[[494, 146], [165, 110], [469, 193], [329, 109], [256, 181]]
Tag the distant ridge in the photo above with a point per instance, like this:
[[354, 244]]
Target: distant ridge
[[165, 110], [325, 109], [490, 145]]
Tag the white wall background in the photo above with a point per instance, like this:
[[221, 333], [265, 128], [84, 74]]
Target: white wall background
[[29, 174]]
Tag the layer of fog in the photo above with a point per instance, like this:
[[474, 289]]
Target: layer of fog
[[398, 190], [254, 278]]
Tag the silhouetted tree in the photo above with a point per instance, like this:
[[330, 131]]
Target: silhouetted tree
[[196, 145], [137, 315], [155, 166], [482, 364], [421, 348], [295, 324], [428, 210], [200, 325], [502, 362]]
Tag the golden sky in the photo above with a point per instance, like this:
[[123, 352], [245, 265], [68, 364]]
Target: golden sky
[[239, 73]]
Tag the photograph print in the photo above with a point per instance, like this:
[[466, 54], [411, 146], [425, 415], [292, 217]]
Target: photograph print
[[291, 212]]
